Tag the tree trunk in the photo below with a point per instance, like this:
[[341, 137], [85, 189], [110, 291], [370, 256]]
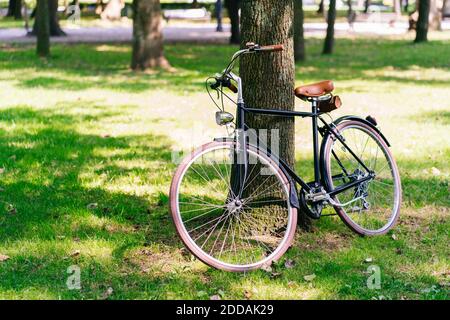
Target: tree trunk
[[329, 39], [422, 22], [350, 7], [15, 9], [233, 12], [55, 29], [299, 39], [147, 35], [113, 10], [351, 15], [268, 79], [366, 6], [320, 9], [52, 16], [405, 5], [435, 17], [43, 29], [99, 7], [397, 8], [218, 12]]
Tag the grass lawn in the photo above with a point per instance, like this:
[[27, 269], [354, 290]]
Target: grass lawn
[[85, 166]]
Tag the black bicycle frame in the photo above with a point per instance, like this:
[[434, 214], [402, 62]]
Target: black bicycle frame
[[314, 115]]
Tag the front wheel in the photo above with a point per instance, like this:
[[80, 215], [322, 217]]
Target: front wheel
[[224, 228], [371, 207]]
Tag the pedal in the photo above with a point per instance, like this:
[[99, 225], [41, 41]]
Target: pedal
[[318, 196]]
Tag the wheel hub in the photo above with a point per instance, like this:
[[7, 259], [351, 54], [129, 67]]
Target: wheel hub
[[234, 206]]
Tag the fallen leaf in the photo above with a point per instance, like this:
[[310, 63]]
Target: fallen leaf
[[291, 284], [215, 297], [146, 270], [435, 171], [11, 209], [107, 293], [2, 170], [201, 294], [76, 253], [93, 205], [431, 289], [309, 277], [394, 237], [3, 257], [274, 275], [266, 268], [289, 264], [368, 260]]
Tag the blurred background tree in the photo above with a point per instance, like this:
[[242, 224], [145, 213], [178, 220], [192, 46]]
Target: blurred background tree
[[147, 36]]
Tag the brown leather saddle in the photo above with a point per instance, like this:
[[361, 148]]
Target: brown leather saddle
[[322, 91]]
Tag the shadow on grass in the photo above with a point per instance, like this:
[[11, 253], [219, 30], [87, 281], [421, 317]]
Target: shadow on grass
[[50, 179], [79, 67], [48, 168]]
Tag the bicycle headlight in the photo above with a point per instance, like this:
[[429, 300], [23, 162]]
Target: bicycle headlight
[[223, 118]]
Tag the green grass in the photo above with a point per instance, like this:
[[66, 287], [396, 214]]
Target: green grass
[[86, 148]]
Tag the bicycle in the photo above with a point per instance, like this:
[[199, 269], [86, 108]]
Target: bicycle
[[234, 202]]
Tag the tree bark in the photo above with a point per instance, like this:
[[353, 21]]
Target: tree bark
[[299, 39], [366, 6], [113, 10], [320, 9], [147, 36], [233, 12], [268, 79], [445, 8], [435, 17], [397, 8], [219, 15], [405, 5], [15, 9], [52, 16], [422, 22], [351, 15], [99, 7], [329, 39], [43, 29]]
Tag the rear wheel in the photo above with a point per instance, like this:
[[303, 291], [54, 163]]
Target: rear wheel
[[225, 230], [372, 207]]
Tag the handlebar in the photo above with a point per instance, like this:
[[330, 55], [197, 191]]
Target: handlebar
[[224, 79], [270, 48], [224, 82]]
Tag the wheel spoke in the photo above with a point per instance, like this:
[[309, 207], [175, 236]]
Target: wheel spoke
[[239, 230], [377, 210]]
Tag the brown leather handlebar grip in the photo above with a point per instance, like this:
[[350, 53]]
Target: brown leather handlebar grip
[[272, 48]]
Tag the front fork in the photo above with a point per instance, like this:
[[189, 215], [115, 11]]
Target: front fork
[[240, 159]]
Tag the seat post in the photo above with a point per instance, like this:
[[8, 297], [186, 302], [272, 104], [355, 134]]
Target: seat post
[[314, 103]]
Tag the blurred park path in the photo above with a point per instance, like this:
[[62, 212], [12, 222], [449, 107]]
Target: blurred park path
[[194, 32]]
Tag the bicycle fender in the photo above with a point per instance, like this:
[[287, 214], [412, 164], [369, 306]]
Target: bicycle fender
[[370, 124], [293, 195]]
